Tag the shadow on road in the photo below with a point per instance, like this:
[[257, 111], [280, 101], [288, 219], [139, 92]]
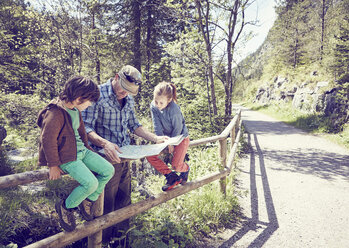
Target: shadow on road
[[271, 127], [326, 165], [317, 161], [251, 224]]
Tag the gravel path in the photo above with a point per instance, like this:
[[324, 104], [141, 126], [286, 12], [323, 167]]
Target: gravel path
[[298, 189]]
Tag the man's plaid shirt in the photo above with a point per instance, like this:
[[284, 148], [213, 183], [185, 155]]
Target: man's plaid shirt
[[108, 119]]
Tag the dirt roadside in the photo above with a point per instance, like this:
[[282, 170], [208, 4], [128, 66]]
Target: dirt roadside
[[298, 189]]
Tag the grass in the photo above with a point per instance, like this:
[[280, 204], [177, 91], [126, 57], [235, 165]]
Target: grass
[[313, 123], [25, 218]]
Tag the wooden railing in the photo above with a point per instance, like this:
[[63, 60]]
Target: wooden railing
[[93, 229]]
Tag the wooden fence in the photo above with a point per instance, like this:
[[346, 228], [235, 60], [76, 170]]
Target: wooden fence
[[93, 229]]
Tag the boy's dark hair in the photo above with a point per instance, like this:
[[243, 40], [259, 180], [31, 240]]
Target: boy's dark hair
[[79, 86]]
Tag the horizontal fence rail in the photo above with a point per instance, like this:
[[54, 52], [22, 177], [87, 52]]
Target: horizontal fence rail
[[94, 228]]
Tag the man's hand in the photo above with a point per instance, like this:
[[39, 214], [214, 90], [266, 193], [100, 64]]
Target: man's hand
[[170, 149], [55, 173], [161, 139], [110, 152]]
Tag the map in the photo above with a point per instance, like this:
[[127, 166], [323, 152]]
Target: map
[[141, 151]]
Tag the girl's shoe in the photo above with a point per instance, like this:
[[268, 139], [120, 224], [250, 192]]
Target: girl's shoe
[[86, 209], [66, 216], [184, 176], [172, 179]]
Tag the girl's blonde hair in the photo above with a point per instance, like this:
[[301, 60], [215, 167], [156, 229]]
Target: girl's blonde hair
[[167, 89]]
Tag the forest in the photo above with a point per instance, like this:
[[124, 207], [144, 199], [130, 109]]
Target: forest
[[191, 43]]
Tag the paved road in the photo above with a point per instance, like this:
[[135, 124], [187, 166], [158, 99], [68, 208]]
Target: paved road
[[298, 189]]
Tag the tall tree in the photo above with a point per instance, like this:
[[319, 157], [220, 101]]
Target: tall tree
[[205, 27], [288, 35], [23, 36], [136, 20], [232, 28], [235, 12], [340, 50], [325, 5]]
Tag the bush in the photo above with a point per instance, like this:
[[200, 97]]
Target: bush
[[25, 218], [19, 113]]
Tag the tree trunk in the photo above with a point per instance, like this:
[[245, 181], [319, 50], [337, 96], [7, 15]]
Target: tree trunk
[[80, 40], [136, 15], [295, 51], [206, 34], [96, 52], [210, 74], [322, 29], [228, 86], [148, 41], [208, 97]]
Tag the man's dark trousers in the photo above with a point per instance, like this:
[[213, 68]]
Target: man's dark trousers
[[117, 194]]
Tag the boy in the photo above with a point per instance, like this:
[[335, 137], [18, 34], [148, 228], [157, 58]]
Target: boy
[[64, 148]]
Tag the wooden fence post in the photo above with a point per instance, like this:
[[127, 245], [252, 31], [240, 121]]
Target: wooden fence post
[[232, 135], [95, 240], [223, 155]]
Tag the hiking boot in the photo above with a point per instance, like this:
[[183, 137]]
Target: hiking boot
[[66, 216], [184, 176], [86, 209], [172, 179]]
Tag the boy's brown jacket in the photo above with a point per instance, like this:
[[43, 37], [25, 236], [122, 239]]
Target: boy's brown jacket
[[57, 144]]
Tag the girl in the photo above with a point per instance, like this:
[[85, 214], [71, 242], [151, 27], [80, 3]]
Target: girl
[[64, 148], [168, 120]]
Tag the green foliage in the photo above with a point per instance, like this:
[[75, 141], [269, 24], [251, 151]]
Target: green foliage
[[20, 39], [163, 232], [189, 73], [29, 164], [308, 33], [11, 245], [20, 112], [343, 137], [24, 217], [339, 52]]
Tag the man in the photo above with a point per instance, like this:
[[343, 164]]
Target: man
[[107, 123]]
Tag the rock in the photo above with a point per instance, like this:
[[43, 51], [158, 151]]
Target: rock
[[303, 85], [19, 155], [319, 103], [330, 102], [309, 98], [303, 100], [322, 84], [279, 81], [294, 90]]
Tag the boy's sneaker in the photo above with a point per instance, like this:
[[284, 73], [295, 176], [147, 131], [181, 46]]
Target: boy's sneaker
[[172, 179], [86, 209], [184, 176], [66, 216]]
